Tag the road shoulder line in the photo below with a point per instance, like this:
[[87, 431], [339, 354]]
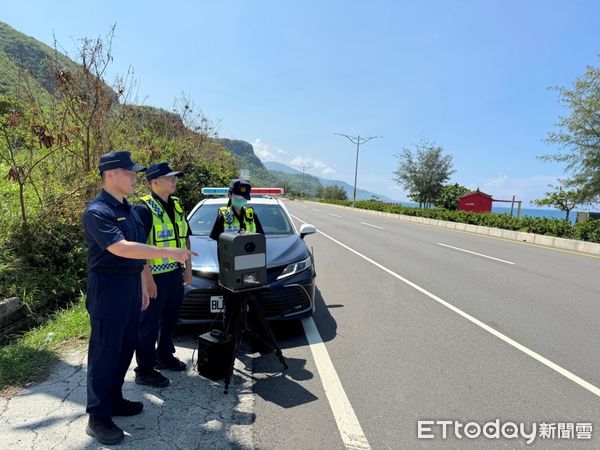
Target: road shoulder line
[[345, 418], [564, 372]]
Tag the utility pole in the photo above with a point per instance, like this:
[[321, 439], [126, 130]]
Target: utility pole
[[303, 169], [357, 140]]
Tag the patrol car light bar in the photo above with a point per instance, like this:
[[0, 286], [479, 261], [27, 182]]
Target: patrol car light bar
[[266, 191], [254, 191], [215, 190]]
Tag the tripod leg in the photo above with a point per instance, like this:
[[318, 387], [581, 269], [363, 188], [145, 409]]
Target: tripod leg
[[235, 321], [269, 332]]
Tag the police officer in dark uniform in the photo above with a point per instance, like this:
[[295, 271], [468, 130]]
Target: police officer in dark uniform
[[116, 292], [166, 226]]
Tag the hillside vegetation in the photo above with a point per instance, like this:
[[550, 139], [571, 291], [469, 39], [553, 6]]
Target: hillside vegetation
[[22, 56], [57, 117]]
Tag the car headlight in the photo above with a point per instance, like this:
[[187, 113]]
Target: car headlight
[[294, 268]]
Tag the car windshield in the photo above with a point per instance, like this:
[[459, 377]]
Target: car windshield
[[273, 219]]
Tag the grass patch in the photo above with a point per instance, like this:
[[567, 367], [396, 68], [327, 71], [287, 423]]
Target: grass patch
[[30, 357]]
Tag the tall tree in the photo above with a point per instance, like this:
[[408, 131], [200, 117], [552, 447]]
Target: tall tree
[[423, 173], [579, 134], [564, 200]]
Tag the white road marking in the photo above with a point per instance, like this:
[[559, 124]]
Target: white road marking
[[374, 226], [564, 372], [335, 215], [315, 209], [345, 418], [474, 253]]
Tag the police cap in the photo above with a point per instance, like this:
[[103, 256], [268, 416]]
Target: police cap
[[241, 187], [160, 170], [120, 159]]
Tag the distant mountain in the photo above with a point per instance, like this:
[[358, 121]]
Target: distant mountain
[[295, 183], [272, 165], [244, 152], [361, 194]]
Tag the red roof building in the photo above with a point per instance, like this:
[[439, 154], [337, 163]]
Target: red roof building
[[476, 201]]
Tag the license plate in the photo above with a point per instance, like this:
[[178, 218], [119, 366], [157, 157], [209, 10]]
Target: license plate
[[216, 304]]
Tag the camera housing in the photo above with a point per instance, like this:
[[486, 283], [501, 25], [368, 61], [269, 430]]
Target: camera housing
[[242, 261]]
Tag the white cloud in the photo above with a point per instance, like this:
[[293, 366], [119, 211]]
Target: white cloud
[[496, 183], [266, 152], [311, 163]]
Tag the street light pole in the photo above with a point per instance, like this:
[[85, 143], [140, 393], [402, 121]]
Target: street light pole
[[357, 140], [303, 169]]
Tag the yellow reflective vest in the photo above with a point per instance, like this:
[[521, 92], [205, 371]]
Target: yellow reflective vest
[[164, 233], [232, 224]]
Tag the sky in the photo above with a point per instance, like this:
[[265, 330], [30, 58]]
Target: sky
[[474, 77]]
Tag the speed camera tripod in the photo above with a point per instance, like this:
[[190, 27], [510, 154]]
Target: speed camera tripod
[[236, 308]]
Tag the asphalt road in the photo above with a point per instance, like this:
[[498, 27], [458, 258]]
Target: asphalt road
[[424, 323]]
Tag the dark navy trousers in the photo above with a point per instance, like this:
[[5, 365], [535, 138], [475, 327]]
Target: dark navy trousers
[[113, 303], [159, 320]]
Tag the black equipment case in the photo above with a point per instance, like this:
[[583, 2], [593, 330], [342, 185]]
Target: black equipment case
[[214, 354]]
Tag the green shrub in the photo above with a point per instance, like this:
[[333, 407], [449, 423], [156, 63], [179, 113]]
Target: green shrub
[[588, 231], [45, 266], [196, 177], [547, 226]]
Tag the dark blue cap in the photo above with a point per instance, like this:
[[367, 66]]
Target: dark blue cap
[[240, 186], [161, 169], [118, 160]]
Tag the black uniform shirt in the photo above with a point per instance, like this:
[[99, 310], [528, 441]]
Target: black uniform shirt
[[107, 221]]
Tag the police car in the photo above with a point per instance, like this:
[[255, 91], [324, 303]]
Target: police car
[[290, 292]]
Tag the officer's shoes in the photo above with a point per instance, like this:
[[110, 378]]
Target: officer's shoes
[[127, 408], [104, 430], [154, 379], [172, 363]]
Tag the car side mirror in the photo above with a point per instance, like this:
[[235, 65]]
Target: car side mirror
[[307, 228]]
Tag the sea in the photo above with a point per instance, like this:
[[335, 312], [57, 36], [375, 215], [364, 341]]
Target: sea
[[536, 212]]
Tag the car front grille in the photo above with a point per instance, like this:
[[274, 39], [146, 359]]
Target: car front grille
[[196, 304], [288, 300]]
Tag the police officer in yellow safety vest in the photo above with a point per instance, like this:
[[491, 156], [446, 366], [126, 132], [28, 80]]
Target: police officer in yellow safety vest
[[166, 226], [235, 218]]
